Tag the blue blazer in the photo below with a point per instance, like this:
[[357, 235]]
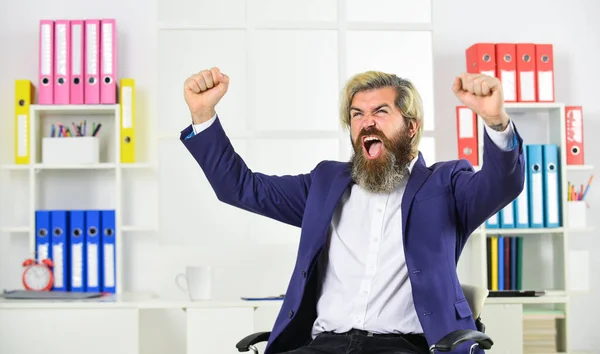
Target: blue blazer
[[442, 205]]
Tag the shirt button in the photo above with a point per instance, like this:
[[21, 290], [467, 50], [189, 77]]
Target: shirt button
[[290, 314], [303, 273], [379, 210]]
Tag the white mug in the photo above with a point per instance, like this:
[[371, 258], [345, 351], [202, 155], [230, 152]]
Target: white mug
[[196, 282]]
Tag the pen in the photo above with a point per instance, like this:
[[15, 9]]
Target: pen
[[587, 188], [97, 129]]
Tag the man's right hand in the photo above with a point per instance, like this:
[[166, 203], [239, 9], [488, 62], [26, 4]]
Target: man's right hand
[[203, 91]]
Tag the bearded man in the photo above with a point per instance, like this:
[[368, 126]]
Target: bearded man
[[381, 234]]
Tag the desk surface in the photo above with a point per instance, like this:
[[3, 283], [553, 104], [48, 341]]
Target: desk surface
[[149, 301], [133, 301]]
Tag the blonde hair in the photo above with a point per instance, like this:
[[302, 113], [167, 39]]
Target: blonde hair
[[408, 100]]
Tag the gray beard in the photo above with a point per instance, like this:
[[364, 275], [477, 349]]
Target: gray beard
[[382, 178]]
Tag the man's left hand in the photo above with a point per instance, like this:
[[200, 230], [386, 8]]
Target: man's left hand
[[483, 95]]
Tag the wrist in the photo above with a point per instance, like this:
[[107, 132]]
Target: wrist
[[499, 123], [203, 116]]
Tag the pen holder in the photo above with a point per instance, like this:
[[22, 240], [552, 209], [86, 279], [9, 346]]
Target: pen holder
[[71, 150], [577, 214]]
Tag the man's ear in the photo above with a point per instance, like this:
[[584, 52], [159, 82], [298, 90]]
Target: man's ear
[[413, 127]]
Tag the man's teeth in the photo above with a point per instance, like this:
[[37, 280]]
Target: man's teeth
[[371, 138]]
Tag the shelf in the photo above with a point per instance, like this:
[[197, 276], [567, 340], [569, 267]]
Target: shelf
[[528, 106], [97, 109], [532, 231], [97, 166], [15, 229], [132, 228], [15, 167], [580, 167]]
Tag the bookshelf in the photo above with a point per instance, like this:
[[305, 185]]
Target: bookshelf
[[545, 250], [101, 185]]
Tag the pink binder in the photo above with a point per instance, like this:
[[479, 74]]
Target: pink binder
[[46, 63], [108, 63], [62, 61], [92, 62], [77, 60]]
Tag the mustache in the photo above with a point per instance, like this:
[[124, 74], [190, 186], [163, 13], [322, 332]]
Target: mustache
[[372, 131]]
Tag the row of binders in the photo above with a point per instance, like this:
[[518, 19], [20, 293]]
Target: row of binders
[[538, 206], [526, 70], [24, 94], [78, 61], [467, 126], [504, 263], [81, 244]]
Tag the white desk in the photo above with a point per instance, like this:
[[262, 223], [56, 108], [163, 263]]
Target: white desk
[[118, 325]]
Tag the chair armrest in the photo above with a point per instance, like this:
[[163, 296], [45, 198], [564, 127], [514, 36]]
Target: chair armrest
[[451, 340], [244, 344]]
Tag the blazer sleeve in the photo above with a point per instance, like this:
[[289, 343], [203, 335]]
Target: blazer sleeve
[[479, 195], [282, 198]]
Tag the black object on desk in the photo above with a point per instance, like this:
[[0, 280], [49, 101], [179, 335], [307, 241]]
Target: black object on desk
[[516, 293], [48, 295]]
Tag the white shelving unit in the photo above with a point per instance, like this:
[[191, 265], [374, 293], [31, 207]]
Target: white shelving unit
[[537, 123], [104, 180]]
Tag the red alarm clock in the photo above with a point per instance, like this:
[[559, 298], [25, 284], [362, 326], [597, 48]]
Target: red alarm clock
[[38, 276]]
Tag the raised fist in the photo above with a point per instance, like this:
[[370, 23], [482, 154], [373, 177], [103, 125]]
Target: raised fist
[[203, 91], [483, 95]]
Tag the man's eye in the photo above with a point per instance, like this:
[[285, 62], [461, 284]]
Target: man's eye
[[382, 111], [355, 115]]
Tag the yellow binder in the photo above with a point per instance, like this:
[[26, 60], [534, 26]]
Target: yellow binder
[[24, 93], [127, 109], [494, 262]]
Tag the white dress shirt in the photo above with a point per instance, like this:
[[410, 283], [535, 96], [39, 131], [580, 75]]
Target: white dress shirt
[[363, 276]]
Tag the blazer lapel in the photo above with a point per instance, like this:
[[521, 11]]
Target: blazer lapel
[[339, 182], [418, 176]]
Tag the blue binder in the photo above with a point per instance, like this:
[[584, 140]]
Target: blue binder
[[513, 263], [552, 210], [107, 239], [501, 240], [93, 250], [494, 221], [507, 217], [77, 250], [521, 204], [59, 220], [43, 249], [536, 185]]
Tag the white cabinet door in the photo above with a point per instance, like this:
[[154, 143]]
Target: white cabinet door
[[217, 330], [504, 324], [69, 331]]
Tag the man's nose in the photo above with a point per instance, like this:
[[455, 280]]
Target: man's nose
[[368, 121]]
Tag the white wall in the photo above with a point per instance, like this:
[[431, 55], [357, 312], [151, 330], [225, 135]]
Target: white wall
[[150, 38]]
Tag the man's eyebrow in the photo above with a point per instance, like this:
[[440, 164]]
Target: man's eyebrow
[[375, 109], [381, 106]]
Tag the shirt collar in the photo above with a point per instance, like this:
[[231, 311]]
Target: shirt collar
[[412, 163]]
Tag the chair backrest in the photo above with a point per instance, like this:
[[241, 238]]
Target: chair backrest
[[475, 297]]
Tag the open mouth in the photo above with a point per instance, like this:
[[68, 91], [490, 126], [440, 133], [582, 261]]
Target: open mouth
[[373, 146]]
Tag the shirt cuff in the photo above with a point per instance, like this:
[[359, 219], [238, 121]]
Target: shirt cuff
[[198, 128], [504, 140]]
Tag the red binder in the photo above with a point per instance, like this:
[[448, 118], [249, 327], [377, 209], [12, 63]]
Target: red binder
[[481, 59], [506, 69], [466, 130], [545, 72], [526, 82], [574, 128]]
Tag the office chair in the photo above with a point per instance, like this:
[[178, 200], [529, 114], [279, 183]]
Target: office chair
[[475, 297]]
